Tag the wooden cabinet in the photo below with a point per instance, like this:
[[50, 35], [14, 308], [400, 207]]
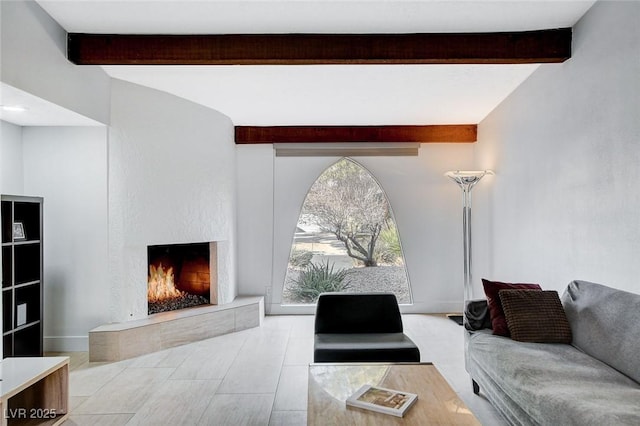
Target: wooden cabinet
[[22, 231], [34, 391]]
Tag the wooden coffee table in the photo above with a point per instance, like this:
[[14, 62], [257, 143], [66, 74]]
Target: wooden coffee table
[[331, 384]]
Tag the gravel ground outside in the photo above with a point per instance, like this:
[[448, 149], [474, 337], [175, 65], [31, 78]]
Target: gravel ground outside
[[327, 249], [376, 278]]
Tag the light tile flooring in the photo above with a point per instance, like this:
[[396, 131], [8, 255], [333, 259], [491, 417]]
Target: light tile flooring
[[254, 377]]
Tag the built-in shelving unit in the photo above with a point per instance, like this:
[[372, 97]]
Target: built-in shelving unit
[[21, 276]]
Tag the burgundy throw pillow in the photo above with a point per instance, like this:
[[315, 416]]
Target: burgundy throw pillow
[[491, 289]]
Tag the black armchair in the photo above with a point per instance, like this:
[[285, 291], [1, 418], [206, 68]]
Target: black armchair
[[361, 327]]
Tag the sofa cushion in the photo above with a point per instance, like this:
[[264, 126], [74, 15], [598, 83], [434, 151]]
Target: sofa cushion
[[604, 322], [535, 316], [550, 384], [491, 289]]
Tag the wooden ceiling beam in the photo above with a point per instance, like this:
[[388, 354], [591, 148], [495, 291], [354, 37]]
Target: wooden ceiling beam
[[464, 133], [542, 46]]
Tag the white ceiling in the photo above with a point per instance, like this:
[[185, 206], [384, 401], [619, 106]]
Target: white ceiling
[[338, 95], [36, 111], [325, 94]]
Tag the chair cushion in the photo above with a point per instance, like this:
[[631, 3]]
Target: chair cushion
[[365, 347]]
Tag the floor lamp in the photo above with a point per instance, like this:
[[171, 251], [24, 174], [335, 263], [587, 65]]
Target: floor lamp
[[466, 180]]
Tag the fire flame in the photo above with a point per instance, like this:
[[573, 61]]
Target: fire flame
[[161, 284]]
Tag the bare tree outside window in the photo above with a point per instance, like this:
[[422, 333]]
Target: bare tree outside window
[[346, 239]]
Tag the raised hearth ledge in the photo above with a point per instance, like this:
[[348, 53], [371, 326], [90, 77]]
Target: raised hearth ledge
[[118, 341]]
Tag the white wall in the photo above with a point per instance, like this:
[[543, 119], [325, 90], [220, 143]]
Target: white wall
[[68, 167], [11, 174], [33, 59], [255, 219], [427, 208], [566, 148], [172, 179], [11, 169]]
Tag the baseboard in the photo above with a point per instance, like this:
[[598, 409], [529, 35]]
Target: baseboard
[[66, 343], [415, 308], [432, 308], [277, 309]]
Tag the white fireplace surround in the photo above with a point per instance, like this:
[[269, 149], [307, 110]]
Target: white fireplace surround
[[133, 298], [149, 333], [169, 183]]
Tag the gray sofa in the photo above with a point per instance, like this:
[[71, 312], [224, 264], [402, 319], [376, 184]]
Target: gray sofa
[[593, 381]]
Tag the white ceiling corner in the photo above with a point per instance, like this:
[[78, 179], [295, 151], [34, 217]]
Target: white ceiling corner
[[38, 112]]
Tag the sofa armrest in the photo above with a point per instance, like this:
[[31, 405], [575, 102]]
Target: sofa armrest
[[476, 315]]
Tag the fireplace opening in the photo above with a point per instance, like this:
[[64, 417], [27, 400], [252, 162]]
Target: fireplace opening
[[180, 276]]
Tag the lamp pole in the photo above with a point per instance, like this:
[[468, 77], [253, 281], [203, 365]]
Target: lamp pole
[[466, 180]]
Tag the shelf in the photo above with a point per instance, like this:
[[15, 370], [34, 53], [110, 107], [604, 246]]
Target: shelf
[[26, 263], [25, 242], [27, 340], [28, 213], [25, 326], [7, 343], [7, 311], [29, 298], [7, 266], [27, 284], [7, 219], [22, 269]]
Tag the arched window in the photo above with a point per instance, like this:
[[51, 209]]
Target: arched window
[[346, 239]]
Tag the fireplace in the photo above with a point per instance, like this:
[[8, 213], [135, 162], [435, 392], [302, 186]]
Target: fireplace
[[181, 276]]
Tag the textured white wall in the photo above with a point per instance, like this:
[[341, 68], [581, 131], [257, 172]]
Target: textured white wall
[[33, 49], [566, 148], [68, 167], [172, 179], [427, 208], [11, 168]]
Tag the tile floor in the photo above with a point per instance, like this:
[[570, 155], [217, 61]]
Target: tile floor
[[254, 377]]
